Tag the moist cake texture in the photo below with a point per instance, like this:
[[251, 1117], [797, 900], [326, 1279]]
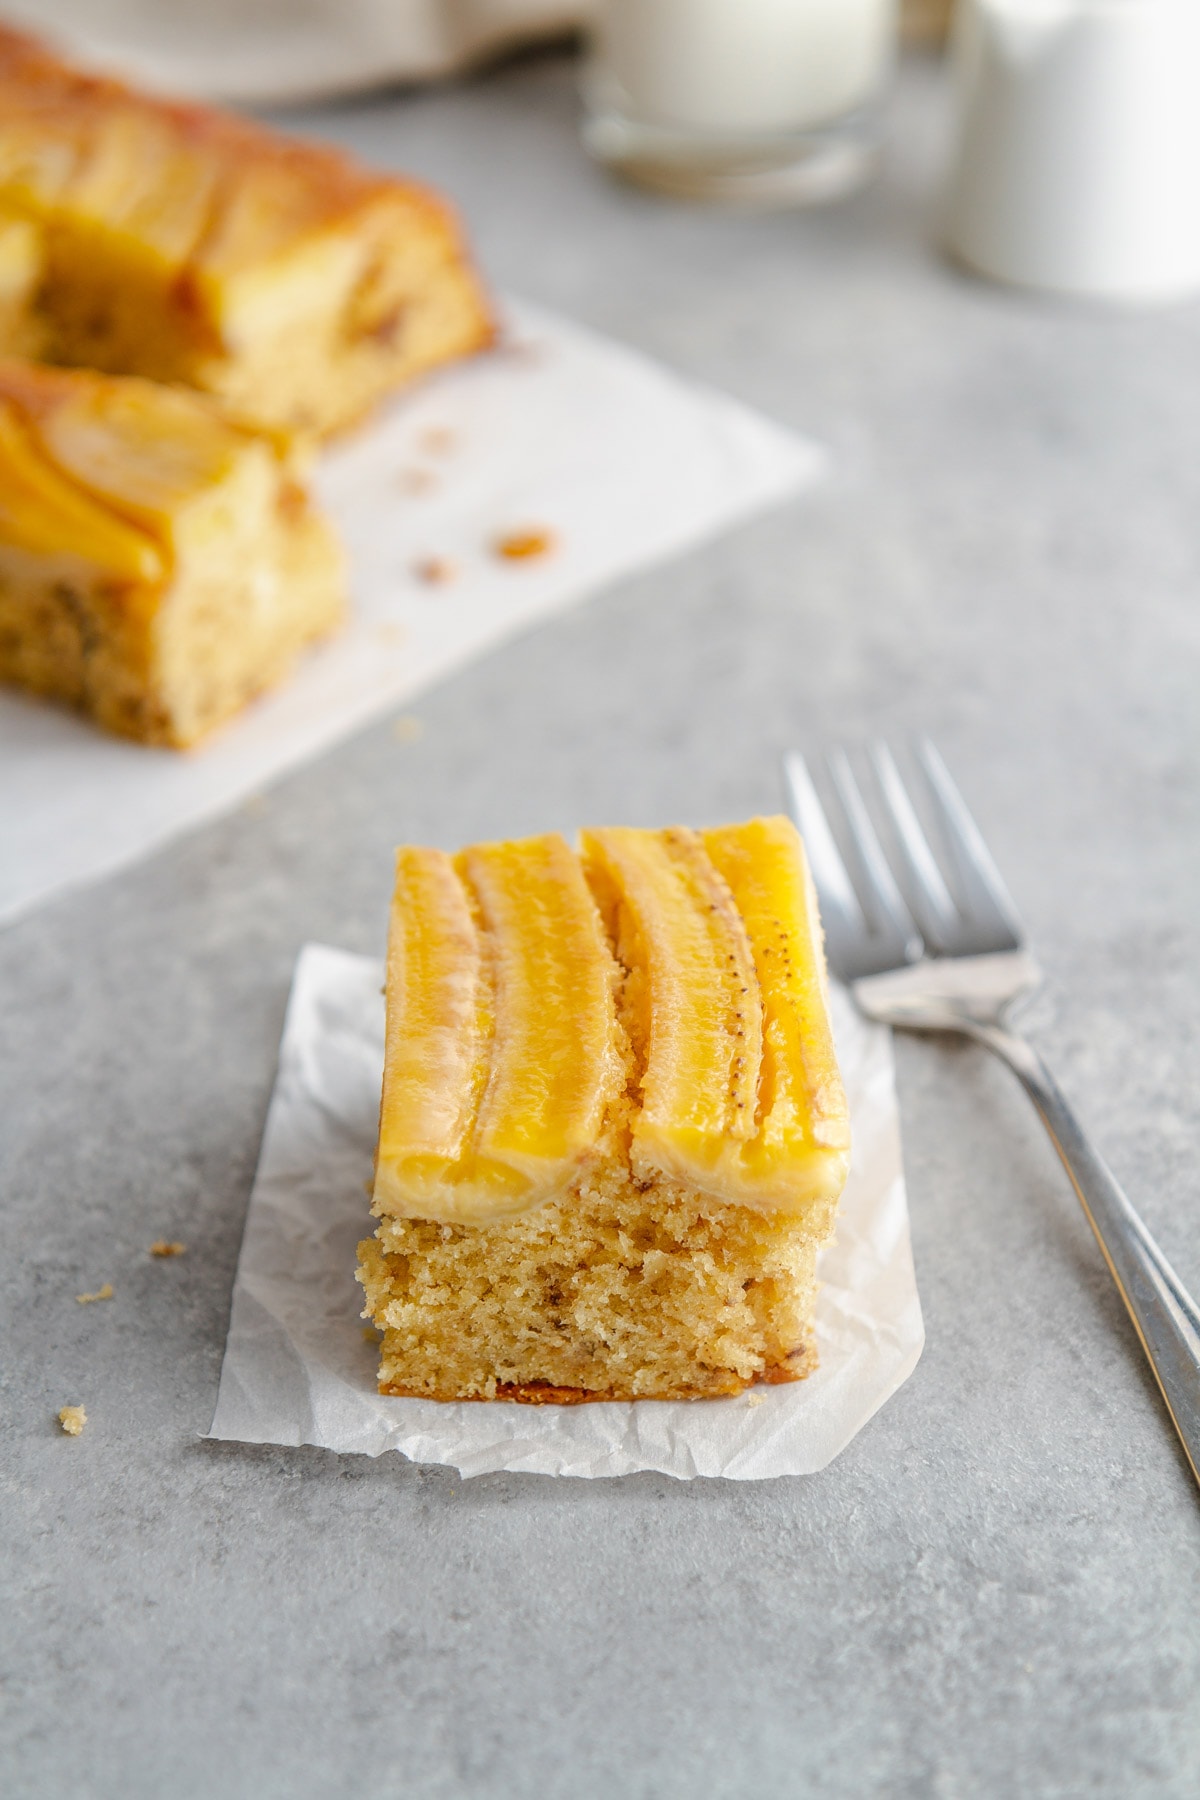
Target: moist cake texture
[[159, 565], [612, 1130], [186, 245]]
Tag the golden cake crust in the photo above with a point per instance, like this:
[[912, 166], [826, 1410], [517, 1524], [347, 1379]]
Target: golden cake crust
[[186, 244]]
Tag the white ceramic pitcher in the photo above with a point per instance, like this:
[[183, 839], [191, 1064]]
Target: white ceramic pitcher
[[1077, 158]]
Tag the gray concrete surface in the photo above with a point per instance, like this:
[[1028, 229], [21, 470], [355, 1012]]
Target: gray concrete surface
[[994, 1592]]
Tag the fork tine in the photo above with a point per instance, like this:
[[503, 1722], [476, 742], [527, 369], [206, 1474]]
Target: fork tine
[[988, 899], [932, 899], [855, 944], [883, 897], [840, 909]]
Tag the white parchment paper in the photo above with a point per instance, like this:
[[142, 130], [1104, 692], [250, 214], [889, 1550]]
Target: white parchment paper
[[624, 462], [297, 1369]]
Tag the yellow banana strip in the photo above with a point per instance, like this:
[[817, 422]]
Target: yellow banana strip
[[43, 512], [701, 1010], [555, 1064], [740, 1091], [502, 1056], [435, 1063], [146, 449], [804, 1134]]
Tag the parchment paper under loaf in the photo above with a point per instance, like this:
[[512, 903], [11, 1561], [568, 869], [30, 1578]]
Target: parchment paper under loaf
[[623, 461], [297, 1369]]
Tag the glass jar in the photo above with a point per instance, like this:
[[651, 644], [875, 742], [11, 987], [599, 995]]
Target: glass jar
[[764, 101]]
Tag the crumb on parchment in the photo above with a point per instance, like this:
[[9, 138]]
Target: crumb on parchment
[[416, 481], [438, 440], [435, 571], [755, 1399], [101, 1293], [72, 1419], [166, 1247], [524, 545], [526, 350], [406, 729]]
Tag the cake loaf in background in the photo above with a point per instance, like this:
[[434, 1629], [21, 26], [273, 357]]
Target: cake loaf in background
[[186, 245], [159, 565]]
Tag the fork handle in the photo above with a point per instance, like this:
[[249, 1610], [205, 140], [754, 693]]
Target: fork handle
[[1165, 1317]]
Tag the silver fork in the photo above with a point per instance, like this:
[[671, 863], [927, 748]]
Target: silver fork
[[943, 960]]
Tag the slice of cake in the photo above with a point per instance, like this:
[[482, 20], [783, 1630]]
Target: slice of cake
[[613, 1134], [187, 245], [158, 564]]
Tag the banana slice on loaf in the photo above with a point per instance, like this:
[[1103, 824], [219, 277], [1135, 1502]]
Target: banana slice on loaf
[[187, 245]]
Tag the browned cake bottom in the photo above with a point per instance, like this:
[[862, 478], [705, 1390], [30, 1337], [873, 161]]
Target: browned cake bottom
[[802, 1362]]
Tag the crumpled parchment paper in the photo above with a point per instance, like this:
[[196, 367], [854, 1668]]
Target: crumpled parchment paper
[[298, 1369]]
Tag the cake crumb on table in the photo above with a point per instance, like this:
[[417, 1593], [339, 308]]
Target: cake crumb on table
[[72, 1419], [102, 1293], [522, 546], [165, 1247], [406, 729]]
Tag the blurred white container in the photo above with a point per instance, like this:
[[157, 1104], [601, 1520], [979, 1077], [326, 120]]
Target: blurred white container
[[1077, 162], [275, 52], [756, 99]]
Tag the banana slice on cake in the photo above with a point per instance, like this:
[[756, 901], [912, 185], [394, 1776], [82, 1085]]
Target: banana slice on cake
[[740, 1092], [531, 988], [502, 1034]]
